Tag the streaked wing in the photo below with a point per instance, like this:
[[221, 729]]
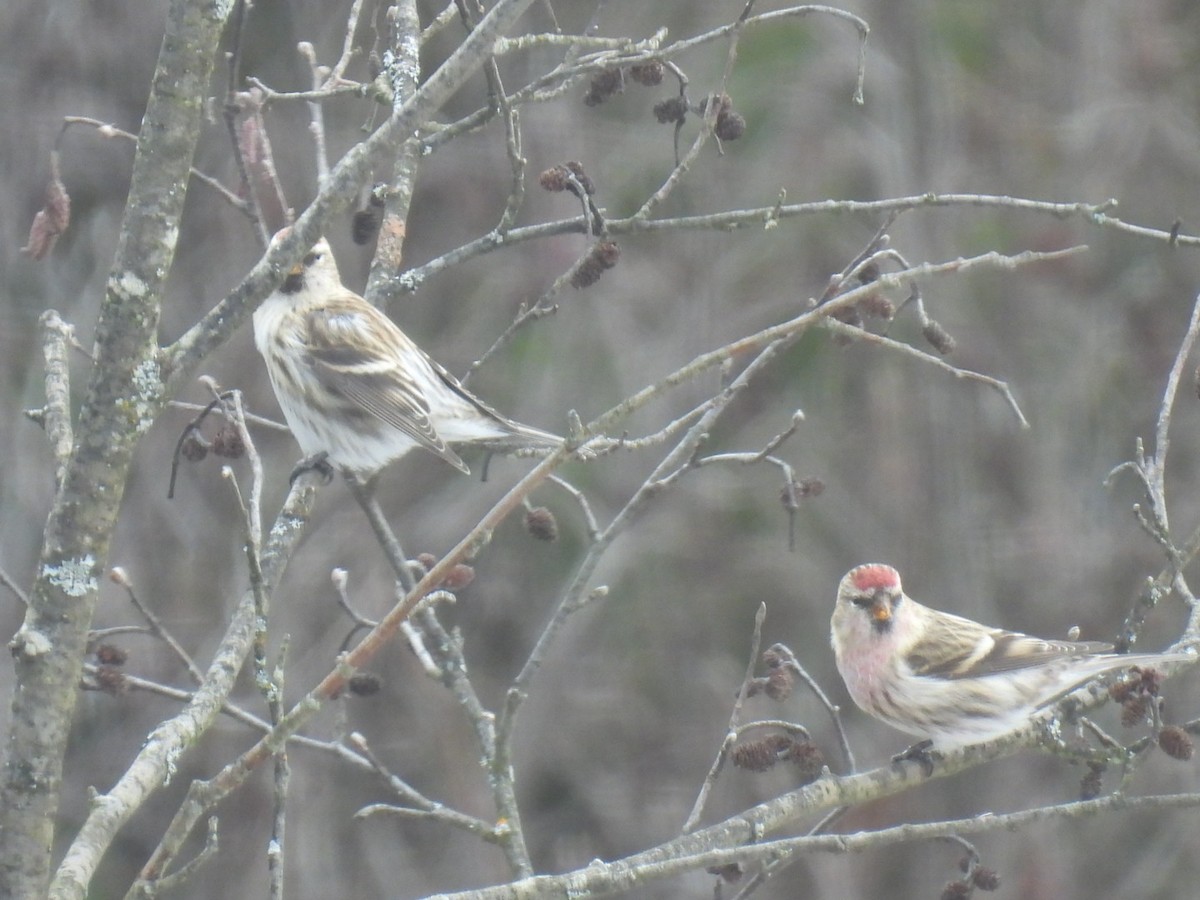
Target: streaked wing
[[962, 650], [524, 433], [355, 352], [452, 383]]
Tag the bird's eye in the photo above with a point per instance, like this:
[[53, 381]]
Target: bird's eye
[[862, 601], [310, 258]]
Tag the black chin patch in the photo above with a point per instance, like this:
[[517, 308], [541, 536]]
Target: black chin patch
[[881, 626], [292, 284]]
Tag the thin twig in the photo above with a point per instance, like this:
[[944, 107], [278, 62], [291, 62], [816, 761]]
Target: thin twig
[[1000, 387], [1162, 438], [207, 854], [282, 775], [107, 129], [251, 418], [233, 108], [589, 517], [834, 711], [731, 730], [120, 577], [339, 68], [417, 802], [364, 493], [1151, 472], [17, 591], [318, 75]]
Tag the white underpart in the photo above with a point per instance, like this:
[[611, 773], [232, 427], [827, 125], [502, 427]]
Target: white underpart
[[312, 432]]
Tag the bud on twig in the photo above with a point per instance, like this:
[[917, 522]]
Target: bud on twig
[[52, 219], [540, 523], [604, 85], [364, 684], [673, 109], [228, 442], [730, 125], [110, 655], [365, 224], [939, 338], [957, 890], [985, 879], [649, 73], [1092, 783], [1175, 742], [565, 178], [603, 256]]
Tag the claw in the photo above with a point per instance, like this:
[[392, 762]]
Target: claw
[[921, 753], [318, 462]]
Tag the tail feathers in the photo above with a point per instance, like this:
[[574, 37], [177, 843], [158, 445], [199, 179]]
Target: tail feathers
[[521, 437], [1182, 655], [535, 437]]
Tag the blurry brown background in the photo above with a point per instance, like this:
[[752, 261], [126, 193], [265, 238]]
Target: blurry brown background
[[1055, 100]]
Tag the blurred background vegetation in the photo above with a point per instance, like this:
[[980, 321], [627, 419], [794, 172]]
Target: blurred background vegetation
[[1044, 99]]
